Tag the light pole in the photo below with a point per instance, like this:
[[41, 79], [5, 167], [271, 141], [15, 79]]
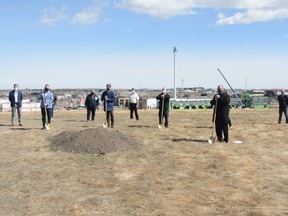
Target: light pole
[[246, 84], [175, 90]]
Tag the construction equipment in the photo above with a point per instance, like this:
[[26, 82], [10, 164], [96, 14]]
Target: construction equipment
[[240, 104]]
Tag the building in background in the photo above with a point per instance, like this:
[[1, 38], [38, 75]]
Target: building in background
[[27, 106]]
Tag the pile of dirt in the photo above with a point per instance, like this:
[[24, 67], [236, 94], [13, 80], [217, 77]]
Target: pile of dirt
[[93, 141]]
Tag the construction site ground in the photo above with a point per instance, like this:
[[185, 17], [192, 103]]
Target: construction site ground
[[145, 170]]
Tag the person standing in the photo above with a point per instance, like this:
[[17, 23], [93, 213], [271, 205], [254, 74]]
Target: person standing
[[222, 103], [54, 103], [15, 98], [283, 102], [46, 106], [229, 121], [91, 104], [133, 104], [108, 98], [164, 99]]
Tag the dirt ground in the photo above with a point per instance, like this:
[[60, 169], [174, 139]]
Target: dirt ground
[[96, 140], [173, 172]]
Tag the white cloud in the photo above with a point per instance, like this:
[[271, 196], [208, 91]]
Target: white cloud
[[251, 16], [163, 9], [52, 16], [88, 16], [249, 10]]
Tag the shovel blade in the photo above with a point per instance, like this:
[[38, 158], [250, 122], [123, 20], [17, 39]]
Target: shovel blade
[[47, 126], [211, 140]]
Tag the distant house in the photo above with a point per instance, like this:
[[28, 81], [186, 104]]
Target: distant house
[[194, 89], [273, 92]]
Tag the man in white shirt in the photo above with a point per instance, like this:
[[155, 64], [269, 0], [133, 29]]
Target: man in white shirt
[[133, 104]]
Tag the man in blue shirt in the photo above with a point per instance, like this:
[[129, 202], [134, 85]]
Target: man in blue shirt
[[15, 98], [47, 99], [108, 97]]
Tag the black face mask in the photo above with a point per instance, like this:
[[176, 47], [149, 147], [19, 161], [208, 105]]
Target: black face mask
[[220, 92], [46, 89]]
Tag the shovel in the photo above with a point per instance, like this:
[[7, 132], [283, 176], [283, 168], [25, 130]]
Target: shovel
[[212, 139], [46, 113], [160, 125], [105, 107]]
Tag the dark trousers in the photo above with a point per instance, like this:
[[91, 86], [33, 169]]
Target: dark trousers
[[110, 118], [91, 110], [165, 115], [222, 128], [44, 114], [52, 113], [281, 111], [133, 108]]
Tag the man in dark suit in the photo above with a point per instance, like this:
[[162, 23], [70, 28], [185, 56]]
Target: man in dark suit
[[15, 98], [91, 104], [222, 103], [164, 99], [283, 102]]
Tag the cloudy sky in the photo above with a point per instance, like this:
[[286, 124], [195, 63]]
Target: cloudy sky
[[129, 43]]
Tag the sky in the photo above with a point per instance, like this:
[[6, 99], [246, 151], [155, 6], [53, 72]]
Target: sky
[[129, 43]]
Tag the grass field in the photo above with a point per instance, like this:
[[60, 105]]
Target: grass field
[[174, 172]]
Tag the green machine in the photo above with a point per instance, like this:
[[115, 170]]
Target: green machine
[[190, 104], [255, 101]]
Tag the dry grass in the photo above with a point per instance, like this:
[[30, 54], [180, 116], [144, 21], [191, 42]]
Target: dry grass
[[175, 172]]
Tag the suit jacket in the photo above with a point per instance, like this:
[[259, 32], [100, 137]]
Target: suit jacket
[[166, 101], [223, 108], [91, 101], [283, 101], [110, 101], [12, 98]]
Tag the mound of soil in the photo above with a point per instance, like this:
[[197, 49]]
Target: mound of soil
[[93, 141]]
